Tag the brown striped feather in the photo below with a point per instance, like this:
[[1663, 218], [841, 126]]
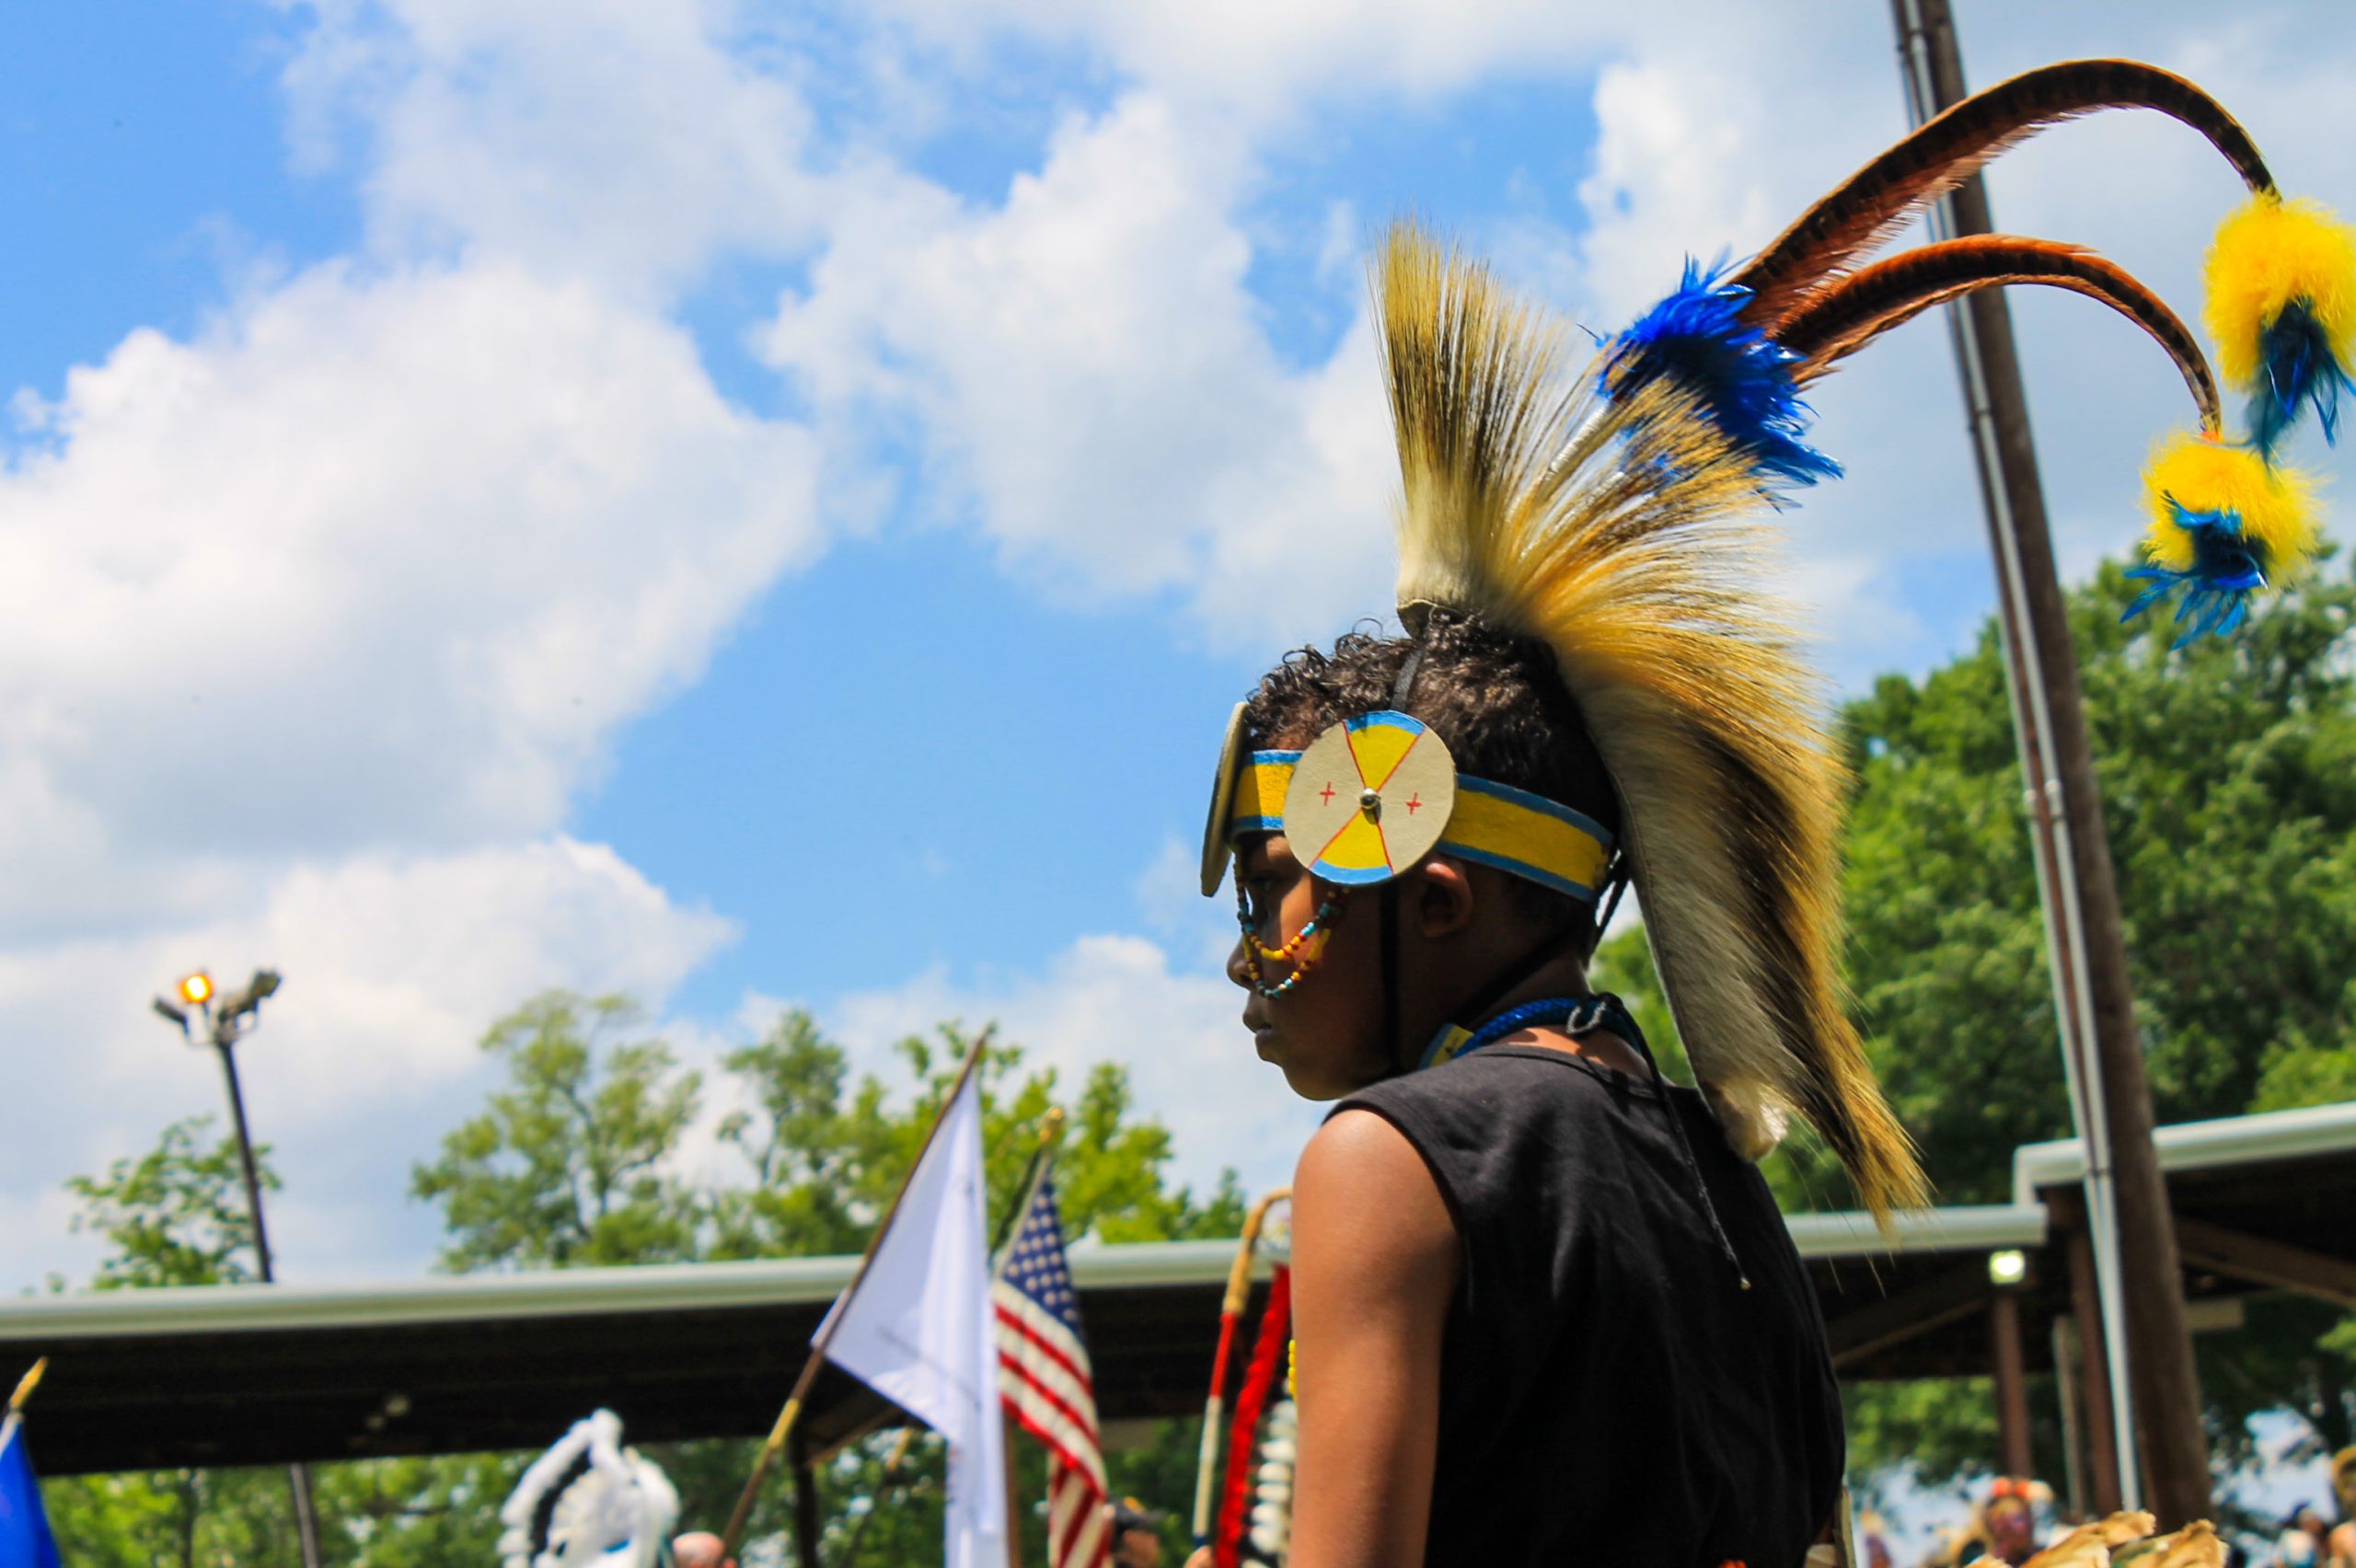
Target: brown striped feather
[[1856, 309], [1873, 204]]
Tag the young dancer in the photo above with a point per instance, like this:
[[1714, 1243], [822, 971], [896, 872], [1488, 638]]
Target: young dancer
[[1545, 1311]]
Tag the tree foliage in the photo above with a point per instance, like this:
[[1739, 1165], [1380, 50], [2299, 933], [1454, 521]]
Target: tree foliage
[[2230, 799], [2228, 789], [175, 1214], [570, 1162]]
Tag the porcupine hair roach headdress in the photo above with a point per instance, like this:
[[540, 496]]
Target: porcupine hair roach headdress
[[1621, 512]]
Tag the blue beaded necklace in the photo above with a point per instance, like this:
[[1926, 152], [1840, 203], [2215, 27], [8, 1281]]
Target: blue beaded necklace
[[1572, 1015]]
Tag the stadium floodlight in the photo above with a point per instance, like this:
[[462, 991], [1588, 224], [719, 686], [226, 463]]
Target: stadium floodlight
[[246, 1001]]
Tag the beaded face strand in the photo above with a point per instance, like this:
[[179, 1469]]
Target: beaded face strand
[[1302, 950]]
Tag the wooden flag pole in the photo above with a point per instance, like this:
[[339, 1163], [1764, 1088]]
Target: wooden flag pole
[[1230, 1315], [25, 1385], [792, 1412], [1034, 1174], [1051, 1127]]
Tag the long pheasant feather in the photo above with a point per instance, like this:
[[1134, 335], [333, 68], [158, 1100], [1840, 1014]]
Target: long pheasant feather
[[1849, 313], [1880, 199]]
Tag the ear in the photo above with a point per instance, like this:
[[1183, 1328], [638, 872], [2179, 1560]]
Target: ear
[[1444, 896]]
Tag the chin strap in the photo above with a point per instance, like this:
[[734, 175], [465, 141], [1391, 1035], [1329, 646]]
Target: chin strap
[[1456, 1037], [1616, 882], [1394, 1046]]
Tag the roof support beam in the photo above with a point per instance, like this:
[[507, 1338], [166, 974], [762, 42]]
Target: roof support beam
[[1957, 1293], [2277, 1263], [2012, 1382]]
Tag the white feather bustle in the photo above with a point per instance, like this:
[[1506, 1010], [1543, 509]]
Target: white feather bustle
[[617, 1510]]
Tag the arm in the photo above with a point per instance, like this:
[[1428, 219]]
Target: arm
[[1375, 1264]]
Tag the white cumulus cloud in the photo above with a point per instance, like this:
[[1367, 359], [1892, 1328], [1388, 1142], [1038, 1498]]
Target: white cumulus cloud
[[370, 561], [1095, 385], [615, 139]]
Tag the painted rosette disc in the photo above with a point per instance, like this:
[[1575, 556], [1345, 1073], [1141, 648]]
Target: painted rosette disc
[[1369, 798]]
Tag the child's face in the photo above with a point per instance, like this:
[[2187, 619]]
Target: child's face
[[1326, 1032]]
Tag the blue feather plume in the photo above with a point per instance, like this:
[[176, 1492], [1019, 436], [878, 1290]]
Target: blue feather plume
[[2298, 368], [2228, 568], [1697, 339]]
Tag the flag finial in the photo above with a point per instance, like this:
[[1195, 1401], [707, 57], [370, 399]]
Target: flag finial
[[25, 1385]]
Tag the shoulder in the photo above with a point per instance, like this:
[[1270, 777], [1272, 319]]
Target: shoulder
[[1359, 1150], [1361, 1183], [1481, 1105]]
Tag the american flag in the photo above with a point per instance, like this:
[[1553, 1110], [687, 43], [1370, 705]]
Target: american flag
[[1044, 1376]]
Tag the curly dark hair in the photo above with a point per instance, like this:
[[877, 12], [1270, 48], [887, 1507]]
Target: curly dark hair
[[1497, 699]]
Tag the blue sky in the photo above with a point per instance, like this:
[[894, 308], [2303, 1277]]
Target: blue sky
[[133, 173], [771, 505]]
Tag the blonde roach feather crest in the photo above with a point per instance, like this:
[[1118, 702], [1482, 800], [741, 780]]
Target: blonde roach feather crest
[[1629, 535]]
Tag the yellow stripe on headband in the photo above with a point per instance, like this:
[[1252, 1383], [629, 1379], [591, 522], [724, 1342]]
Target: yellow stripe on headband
[[1494, 825], [1527, 835], [1260, 784]]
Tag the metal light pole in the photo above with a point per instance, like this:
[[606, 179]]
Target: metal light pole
[[2162, 1450], [220, 1021]]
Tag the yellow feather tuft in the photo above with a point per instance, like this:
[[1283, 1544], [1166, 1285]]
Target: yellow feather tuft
[[2199, 474], [2268, 253]]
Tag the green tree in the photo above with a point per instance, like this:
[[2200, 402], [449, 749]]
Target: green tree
[[571, 1163], [174, 1215], [827, 1154], [2227, 784]]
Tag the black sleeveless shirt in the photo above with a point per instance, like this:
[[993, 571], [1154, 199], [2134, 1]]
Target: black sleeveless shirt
[[1609, 1394]]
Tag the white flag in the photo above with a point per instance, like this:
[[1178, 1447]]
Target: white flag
[[921, 1331]]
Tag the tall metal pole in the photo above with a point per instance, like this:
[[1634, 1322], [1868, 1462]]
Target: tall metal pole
[[225, 1020], [2162, 1450], [224, 1034], [227, 1047]]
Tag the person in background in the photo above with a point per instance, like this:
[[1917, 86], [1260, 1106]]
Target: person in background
[[2340, 1545], [698, 1549], [1873, 1540], [1136, 1535], [2300, 1545], [2011, 1521], [2003, 1526]]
